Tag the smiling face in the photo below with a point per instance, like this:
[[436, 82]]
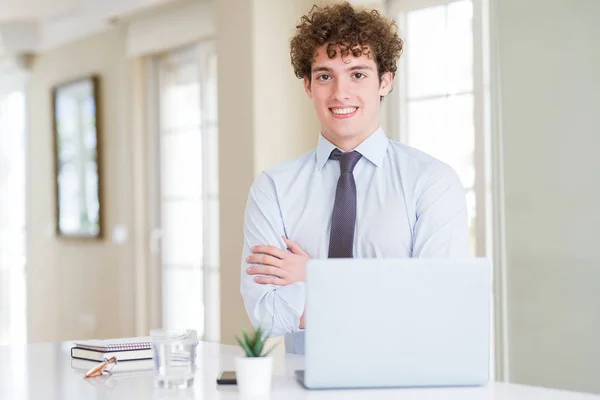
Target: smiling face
[[346, 94]]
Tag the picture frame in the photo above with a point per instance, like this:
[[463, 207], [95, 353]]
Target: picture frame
[[77, 171]]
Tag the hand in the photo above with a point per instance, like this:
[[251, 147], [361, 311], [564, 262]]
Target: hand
[[284, 267]]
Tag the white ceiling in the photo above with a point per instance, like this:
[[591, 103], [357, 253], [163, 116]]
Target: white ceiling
[[45, 10], [37, 25], [26, 10]]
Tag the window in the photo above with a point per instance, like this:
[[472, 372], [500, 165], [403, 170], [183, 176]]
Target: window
[[439, 98], [439, 105], [12, 217], [188, 189]]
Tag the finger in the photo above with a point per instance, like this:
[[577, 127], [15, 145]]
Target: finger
[[293, 246], [272, 250], [267, 270], [269, 280], [264, 259]]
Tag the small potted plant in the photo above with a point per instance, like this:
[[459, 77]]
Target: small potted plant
[[253, 372]]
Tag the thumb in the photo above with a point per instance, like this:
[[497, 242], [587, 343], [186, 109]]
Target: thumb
[[293, 246]]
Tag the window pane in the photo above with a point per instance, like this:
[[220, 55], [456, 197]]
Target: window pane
[[12, 247], [181, 164], [211, 90], [189, 185], [444, 129], [182, 232], [425, 51], [212, 298], [184, 307], [459, 36], [12, 162], [12, 218], [439, 50], [180, 103]]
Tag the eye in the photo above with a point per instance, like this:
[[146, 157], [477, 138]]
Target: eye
[[323, 77], [359, 75]]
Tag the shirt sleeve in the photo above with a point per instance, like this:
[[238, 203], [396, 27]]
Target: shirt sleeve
[[441, 228], [276, 309]]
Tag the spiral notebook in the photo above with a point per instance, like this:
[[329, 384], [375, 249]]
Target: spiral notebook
[[124, 349], [130, 368]]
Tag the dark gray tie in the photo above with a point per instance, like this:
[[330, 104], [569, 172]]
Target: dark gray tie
[[343, 220]]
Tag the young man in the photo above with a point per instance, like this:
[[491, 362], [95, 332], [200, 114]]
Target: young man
[[357, 194]]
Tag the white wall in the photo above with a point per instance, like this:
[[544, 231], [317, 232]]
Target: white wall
[[79, 288], [174, 25], [550, 81], [285, 123], [236, 162]]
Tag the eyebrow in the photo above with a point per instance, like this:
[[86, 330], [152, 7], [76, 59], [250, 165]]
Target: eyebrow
[[353, 68]]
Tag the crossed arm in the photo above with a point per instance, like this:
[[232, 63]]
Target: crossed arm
[[273, 267]]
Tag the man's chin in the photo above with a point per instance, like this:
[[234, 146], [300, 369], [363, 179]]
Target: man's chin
[[344, 135]]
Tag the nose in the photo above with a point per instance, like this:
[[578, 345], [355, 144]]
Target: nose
[[341, 90]]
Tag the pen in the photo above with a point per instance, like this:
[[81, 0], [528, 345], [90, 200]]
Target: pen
[[101, 368]]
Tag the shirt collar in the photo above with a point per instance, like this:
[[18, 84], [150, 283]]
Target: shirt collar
[[372, 148]]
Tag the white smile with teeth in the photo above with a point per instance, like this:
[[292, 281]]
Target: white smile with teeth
[[347, 110]]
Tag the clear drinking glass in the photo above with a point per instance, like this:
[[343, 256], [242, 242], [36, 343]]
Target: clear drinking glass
[[174, 357]]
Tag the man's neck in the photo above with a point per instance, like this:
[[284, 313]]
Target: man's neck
[[348, 144]]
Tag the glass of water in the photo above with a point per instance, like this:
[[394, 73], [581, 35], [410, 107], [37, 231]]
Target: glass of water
[[174, 357]]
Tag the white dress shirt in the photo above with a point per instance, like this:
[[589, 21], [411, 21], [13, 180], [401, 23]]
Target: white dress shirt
[[409, 204]]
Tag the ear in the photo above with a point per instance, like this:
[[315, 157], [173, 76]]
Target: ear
[[307, 87], [386, 84]]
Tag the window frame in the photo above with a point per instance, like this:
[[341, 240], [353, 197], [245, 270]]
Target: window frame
[[398, 124], [488, 185], [200, 53]]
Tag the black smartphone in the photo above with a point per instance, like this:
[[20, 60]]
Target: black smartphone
[[227, 378]]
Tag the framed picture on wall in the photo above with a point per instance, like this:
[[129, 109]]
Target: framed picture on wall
[[76, 158]]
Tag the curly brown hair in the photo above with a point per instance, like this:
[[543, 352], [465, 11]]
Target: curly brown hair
[[353, 31]]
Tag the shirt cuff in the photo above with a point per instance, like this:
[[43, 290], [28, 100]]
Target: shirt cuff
[[294, 297]]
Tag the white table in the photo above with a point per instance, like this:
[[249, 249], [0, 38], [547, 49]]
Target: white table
[[44, 371]]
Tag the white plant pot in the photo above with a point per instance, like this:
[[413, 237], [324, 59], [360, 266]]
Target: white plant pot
[[254, 375]]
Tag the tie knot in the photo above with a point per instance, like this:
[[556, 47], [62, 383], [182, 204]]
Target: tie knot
[[347, 160]]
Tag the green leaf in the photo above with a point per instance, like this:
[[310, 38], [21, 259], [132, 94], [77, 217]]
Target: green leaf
[[258, 347], [257, 338], [247, 340], [253, 343], [244, 346]]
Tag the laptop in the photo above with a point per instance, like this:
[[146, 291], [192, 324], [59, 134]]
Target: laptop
[[375, 323]]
